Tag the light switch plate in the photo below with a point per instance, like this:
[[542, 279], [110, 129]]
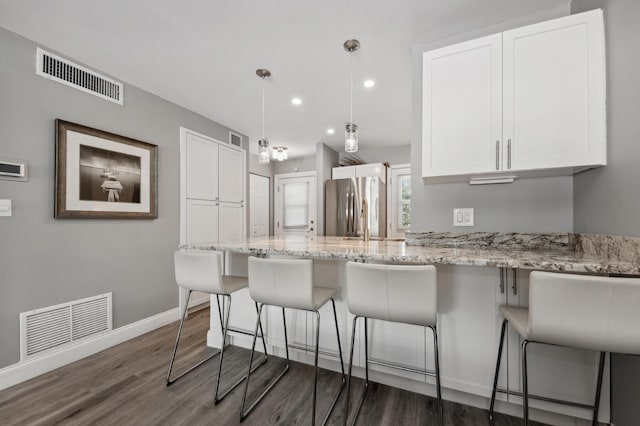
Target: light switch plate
[[463, 217], [5, 207]]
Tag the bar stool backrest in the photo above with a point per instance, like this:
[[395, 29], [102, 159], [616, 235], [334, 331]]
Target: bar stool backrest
[[589, 312], [200, 271], [398, 293], [282, 282]]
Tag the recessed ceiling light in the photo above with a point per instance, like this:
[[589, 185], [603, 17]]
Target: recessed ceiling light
[[369, 83], [330, 131], [296, 101]]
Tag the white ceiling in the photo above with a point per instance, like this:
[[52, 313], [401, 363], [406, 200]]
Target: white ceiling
[[202, 55]]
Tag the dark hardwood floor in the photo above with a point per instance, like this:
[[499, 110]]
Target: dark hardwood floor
[[125, 385]]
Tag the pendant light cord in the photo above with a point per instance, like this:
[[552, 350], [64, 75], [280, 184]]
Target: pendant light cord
[[263, 108], [351, 87]]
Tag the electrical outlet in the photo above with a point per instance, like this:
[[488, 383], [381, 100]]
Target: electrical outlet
[[5, 207], [463, 217]]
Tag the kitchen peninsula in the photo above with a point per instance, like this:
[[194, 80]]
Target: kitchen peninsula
[[477, 272]]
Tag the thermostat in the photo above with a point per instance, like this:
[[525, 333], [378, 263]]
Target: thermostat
[[13, 169]]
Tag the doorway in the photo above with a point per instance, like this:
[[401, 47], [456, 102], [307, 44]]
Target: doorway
[[295, 204]]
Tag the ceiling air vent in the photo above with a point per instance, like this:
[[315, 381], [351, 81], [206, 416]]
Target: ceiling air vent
[[55, 327], [66, 72], [235, 139]]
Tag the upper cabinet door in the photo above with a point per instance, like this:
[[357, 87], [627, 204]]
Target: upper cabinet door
[[554, 94], [231, 174], [462, 108], [202, 164]]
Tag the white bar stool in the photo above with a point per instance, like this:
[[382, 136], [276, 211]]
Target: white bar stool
[[587, 312], [397, 293], [202, 271], [288, 283]]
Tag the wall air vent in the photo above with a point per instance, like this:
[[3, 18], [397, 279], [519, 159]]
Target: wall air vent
[[235, 139], [66, 72], [55, 327]]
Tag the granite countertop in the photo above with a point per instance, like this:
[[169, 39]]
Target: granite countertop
[[548, 257]]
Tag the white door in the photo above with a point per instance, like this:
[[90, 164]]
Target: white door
[[554, 93], [295, 204], [259, 207], [462, 108], [399, 201]]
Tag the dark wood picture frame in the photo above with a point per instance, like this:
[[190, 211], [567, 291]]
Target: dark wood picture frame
[[86, 156]]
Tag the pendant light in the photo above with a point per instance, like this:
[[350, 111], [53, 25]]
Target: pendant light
[[263, 144], [351, 128]]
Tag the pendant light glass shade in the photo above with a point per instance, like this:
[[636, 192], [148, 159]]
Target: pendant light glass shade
[[351, 137], [279, 153], [263, 151]]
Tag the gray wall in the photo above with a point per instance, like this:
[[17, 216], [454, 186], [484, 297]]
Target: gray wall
[[392, 155], [543, 204], [326, 159], [293, 165], [44, 261], [606, 199]]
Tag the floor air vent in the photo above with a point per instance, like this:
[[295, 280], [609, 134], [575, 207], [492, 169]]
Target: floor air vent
[[66, 72], [47, 329]]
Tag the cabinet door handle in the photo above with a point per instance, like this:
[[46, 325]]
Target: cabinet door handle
[[502, 273], [515, 282], [508, 153], [498, 155]]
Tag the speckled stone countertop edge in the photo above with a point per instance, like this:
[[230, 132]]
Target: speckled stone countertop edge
[[400, 252]]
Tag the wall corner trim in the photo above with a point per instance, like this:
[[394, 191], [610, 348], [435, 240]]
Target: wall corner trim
[[22, 371]]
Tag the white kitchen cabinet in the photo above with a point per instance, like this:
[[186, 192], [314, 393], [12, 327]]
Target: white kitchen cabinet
[[462, 108], [362, 170], [212, 208], [201, 168], [231, 174], [554, 93], [231, 222], [529, 99], [202, 225], [553, 371], [343, 172]]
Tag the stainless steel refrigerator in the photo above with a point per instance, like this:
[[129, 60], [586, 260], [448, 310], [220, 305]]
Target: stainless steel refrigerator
[[343, 206]]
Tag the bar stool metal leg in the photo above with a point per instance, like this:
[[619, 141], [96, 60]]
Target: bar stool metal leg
[[225, 327], [315, 369], [495, 379], [171, 381], [437, 365], [243, 413], [366, 372], [344, 381], [525, 388], [596, 404]]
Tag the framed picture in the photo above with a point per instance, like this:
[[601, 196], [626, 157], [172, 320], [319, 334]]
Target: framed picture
[[101, 175]]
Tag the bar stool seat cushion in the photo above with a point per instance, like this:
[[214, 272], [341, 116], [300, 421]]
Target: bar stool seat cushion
[[233, 283], [202, 271], [518, 317], [321, 295]]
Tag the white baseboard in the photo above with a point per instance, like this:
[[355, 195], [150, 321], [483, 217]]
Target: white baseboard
[[22, 371]]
